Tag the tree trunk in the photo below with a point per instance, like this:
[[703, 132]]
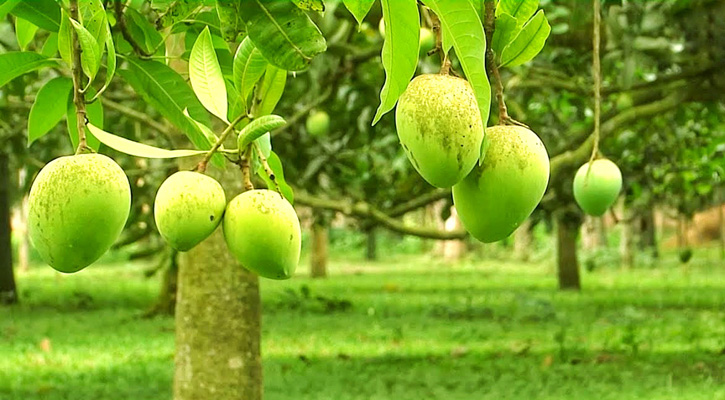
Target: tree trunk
[[8, 290], [453, 249], [371, 247], [568, 224], [319, 256], [24, 244], [522, 241], [648, 232], [626, 238]]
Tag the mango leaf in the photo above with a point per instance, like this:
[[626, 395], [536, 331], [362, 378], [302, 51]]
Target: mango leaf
[[506, 30], [469, 41], [359, 8], [206, 76], [94, 114], [137, 149], [42, 13], [447, 40], [265, 144], [24, 32], [270, 91], [65, 45], [400, 50], [90, 54], [257, 128], [217, 159], [177, 11], [110, 59], [236, 108], [230, 18], [94, 19], [275, 164], [16, 63], [50, 47], [142, 31], [167, 92], [49, 107], [521, 10], [528, 43], [285, 35], [249, 66], [310, 5], [7, 6]]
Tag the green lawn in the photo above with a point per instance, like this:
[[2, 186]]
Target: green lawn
[[406, 328]]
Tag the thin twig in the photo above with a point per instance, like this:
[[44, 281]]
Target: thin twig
[[78, 97], [597, 77], [201, 167], [245, 165], [267, 168]]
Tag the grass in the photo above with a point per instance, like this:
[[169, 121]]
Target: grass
[[406, 328]]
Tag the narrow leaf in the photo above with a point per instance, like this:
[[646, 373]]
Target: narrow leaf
[[249, 66], [521, 10], [283, 33], [259, 127], [24, 32], [176, 12], [94, 113], [528, 43], [275, 164], [50, 47], [49, 107], [359, 8], [43, 13], [217, 159], [400, 51], [94, 20], [206, 76], [142, 31], [270, 91], [65, 45], [110, 58], [90, 53], [16, 63], [506, 31], [7, 6], [462, 21], [230, 18], [167, 92], [137, 149]]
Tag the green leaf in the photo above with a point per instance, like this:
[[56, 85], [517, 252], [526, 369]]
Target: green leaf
[[522, 10], [25, 32], [176, 12], [236, 108], [257, 128], [50, 47], [110, 58], [142, 31], [94, 20], [249, 66], [49, 107], [506, 31], [400, 51], [43, 13], [265, 144], [16, 63], [447, 40], [275, 164], [206, 76], [94, 114], [65, 45], [283, 33], [7, 6], [469, 41], [528, 43], [270, 91], [230, 18], [137, 149], [167, 92], [310, 5], [90, 53], [359, 8]]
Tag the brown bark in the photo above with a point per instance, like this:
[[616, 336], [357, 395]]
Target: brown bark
[[567, 226], [19, 226], [8, 290], [648, 232], [453, 249], [319, 255], [522, 241], [166, 302]]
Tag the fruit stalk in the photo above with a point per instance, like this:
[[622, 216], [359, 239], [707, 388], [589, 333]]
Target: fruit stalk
[[78, 96], [267, 168], [245, 165], [201, 167], [597, 78]]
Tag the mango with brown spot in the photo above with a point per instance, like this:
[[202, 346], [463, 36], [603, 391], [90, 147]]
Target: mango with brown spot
[[498, 196], [262, 231], [78, 206], [439, 126]]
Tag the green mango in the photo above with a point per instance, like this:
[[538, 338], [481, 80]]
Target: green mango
[[188, 208], [78, 206], [439, 126], [262, 231], [597, 192], [318, 123], [498, 196]]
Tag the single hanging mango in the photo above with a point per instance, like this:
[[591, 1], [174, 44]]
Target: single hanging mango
[[596, 186]]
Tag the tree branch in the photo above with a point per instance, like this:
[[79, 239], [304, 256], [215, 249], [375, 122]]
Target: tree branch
[[79, 99], [418, 202], [365, 210], [139, 116]]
